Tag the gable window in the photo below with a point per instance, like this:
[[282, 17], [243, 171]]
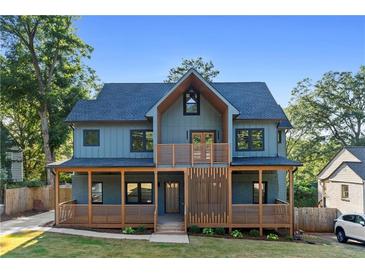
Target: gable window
[[141, 140], [97, 193], [344, 191], [250, 139], [191, 103], [280, 136], [139, 193], [91, 137], [255, 192]]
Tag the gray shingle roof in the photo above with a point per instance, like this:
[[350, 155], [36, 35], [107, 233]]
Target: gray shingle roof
[[358, 168], [131, 101], [104, 162], [264, 161]]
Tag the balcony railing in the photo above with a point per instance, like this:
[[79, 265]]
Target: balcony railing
[[190, 154]]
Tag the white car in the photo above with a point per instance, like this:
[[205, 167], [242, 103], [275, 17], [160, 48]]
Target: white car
[[350, 226]]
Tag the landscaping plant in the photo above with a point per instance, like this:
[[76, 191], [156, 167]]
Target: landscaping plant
[[128, 230], [194, 229], [208, 231], [141, 229], [272, 237], [220, 231], [236, 234], [254, 233]]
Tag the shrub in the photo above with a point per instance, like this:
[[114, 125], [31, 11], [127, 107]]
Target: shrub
[[31, 183], [236, 234], [208, 231], [272, 237], [220, 231], [254, 233], [194, 229], [128, 230], [141, 229]]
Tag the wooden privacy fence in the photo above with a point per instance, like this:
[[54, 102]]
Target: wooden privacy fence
[[22, 199], [313, 219]]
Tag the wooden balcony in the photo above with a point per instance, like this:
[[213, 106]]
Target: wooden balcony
[[191, 154]]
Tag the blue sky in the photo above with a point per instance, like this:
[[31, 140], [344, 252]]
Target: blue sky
[[275, 49]]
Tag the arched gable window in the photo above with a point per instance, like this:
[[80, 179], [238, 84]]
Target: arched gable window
[[191, 102]]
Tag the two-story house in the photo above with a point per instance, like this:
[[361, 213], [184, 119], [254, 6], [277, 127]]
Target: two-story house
[[191, 152]]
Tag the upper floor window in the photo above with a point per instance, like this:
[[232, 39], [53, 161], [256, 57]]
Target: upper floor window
[[141, 140], [91, 137], [344, 191], [191, 103], [250, 139]]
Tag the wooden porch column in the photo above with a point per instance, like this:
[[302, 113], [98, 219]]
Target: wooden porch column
[[89, 179], [122, 198], [291, 202], [229, 200], [260, 202], [186, 199], [156, 201], [56, 186]]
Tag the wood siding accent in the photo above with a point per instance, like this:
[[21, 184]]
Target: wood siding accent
[[139, 214], [207, 192], [190, 154]]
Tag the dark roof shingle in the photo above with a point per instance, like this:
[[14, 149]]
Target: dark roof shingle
[[131, 101]]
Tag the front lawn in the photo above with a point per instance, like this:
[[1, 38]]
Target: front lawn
[[58, 245]]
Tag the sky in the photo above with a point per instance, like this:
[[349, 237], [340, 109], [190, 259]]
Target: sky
[[277, 50]]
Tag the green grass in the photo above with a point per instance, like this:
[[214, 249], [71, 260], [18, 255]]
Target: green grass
[[57, 245]]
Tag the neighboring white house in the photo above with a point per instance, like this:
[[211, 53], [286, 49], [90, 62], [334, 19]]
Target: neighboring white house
[[341, 182], [11, 156]]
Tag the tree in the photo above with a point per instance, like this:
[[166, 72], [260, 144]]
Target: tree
[[47, 51], [206, 69], [326, 116]]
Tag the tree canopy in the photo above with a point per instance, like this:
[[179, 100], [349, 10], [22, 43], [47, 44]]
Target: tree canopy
[[326, 116], [42, 75], [205, 68]]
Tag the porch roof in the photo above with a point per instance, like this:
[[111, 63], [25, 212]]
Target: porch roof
[[104, 162], [264, 161]]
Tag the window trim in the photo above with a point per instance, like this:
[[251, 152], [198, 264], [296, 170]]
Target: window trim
[[250, 139], [198, 103], [84, 135], [139, 193], [144, 140], [342, 192], [102, 192], [264, 198]]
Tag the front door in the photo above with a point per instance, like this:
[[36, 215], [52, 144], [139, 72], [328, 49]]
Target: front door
[[172, 197], [201, 141]]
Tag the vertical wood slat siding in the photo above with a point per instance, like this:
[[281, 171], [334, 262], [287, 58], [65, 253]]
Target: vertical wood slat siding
[[207, 192]]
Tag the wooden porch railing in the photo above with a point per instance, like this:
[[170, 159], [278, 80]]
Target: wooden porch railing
[[190, 154]]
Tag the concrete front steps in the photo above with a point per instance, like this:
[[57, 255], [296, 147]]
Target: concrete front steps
[[171, 228]]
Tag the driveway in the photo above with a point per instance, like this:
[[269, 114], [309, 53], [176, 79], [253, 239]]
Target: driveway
[[331, 238], [26, 223]]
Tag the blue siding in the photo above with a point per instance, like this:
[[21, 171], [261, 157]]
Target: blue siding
[[175, 126], [270, 135], [114, 141], [242, 187]]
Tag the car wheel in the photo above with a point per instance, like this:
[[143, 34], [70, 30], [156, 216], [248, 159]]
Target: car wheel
[[341, 237]]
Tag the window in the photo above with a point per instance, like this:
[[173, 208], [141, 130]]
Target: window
[[139, 193], [255, 192], [97, 193], [359, 220], [191, 103], [141, 140], [91, 137], [280, 136], [349, 218], [344, 191], [250, 139]]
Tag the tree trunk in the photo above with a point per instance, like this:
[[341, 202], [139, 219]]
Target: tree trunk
[[43, 114]]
